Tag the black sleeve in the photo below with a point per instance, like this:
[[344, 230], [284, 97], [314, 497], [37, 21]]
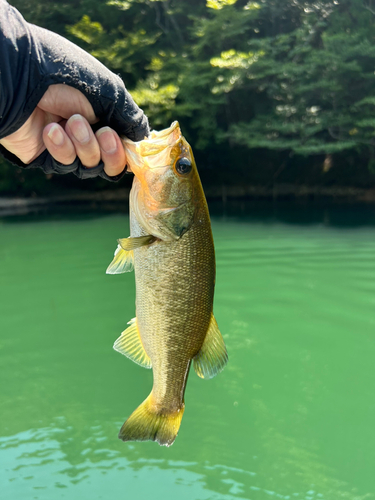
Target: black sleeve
[[32, 59]]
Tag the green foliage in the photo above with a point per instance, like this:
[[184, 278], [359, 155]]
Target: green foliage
[[87, 31], [293, 76], [304, 68]]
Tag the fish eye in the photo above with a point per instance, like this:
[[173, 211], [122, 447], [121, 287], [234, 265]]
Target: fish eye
[[183, 166]]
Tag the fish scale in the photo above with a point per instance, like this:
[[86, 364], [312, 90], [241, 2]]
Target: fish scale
[[172, 251], [174, 313]]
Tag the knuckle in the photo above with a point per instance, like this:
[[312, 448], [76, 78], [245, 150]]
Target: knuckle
[[113, 162], [89, 159]]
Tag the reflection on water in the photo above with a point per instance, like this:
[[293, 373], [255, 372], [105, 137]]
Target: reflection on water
[[290, 417], [35, 458], [36, 464], [37, 467]]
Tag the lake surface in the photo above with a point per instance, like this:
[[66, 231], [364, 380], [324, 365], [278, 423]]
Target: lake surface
[[291, 417]]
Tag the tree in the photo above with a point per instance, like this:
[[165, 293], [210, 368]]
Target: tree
[[253, 84]]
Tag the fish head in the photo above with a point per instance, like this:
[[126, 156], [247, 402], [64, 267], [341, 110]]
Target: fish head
[[164, 193]]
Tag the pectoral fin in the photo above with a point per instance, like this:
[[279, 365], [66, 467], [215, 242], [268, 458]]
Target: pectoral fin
[[123, 262], [137, 242], [213, 356], [130, 345]]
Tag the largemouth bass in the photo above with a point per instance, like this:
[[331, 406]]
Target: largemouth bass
[[172, 251]]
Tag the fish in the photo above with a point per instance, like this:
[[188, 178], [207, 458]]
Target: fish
[[171, 250]]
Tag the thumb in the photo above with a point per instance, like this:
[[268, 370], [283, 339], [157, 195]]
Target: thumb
[[65, 101]]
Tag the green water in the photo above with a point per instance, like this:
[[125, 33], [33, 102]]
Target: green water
[[291, 417]]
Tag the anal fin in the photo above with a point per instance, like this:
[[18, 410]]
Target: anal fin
[[130, 345], [213, 356]]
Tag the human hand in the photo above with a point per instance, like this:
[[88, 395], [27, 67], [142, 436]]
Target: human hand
[[45, 82], [61, 124]]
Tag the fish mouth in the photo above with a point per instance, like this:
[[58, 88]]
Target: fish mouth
[[154, 151]]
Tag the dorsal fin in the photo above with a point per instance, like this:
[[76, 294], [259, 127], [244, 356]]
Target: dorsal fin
[[130, 345], [213, 356]]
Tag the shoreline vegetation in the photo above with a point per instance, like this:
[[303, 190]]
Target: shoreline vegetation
[[276, 97], [110, 199]]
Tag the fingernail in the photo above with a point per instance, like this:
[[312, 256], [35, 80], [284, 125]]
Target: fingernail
[[106, 140], [56, 135], [79, 129]]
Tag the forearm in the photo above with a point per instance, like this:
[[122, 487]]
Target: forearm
[[14, 69]]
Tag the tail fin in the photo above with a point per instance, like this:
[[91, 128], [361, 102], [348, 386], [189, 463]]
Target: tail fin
[[144, 424]]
